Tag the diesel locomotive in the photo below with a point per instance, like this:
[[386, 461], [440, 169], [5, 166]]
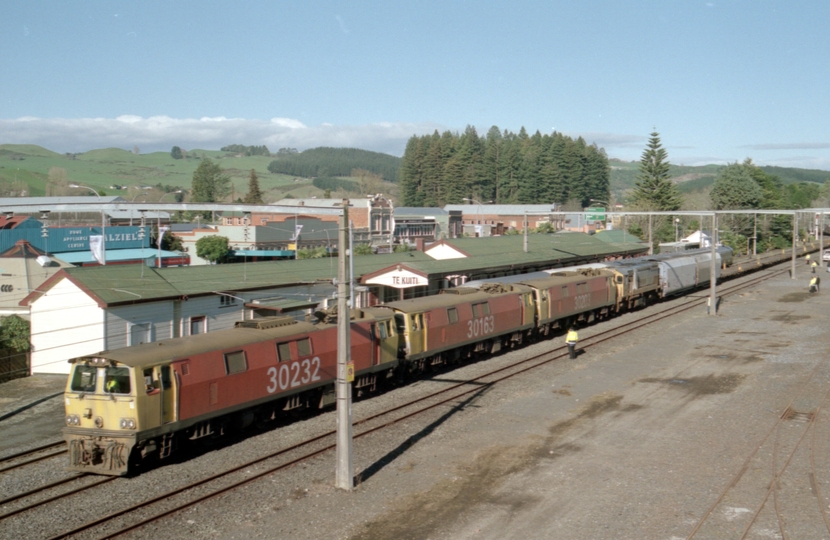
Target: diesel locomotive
[[141, 403]]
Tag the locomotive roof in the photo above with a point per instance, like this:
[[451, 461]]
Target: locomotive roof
[[563, 278], [226, 340], [448, 299]]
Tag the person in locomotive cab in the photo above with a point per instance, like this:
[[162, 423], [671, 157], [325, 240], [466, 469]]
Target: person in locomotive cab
[[571, 340], [112, 386]]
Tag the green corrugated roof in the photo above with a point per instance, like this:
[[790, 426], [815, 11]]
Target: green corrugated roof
[[122, 283], [617, 236], [130, 283]]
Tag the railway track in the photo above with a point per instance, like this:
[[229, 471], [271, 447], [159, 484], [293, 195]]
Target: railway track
[[778, 446], [20, 459], [200, 491]]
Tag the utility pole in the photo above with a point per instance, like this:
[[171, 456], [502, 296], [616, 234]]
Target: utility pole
[[713, 269], [821, 241], [650, 239], [525, 231], [755, 236], [795, 241], [345, 477]]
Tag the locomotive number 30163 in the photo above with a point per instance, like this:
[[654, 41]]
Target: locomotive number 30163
[[481, 326], [294, 374]]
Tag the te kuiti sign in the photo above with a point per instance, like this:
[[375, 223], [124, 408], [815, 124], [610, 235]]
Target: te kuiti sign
[[399, 279]]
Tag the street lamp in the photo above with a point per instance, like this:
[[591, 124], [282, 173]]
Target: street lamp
[[479, 203], [676, 230], [103, 260], [161, 234]]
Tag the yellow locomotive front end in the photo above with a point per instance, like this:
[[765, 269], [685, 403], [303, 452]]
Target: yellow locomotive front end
[[101, 416]]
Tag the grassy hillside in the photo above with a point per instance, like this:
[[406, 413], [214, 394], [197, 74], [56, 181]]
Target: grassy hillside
[[691, 179], [26, 168]]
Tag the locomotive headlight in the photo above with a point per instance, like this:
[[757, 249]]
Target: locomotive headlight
[[127, 423], [73, 420]]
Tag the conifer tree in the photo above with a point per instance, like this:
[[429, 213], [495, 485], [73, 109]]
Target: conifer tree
[[254, 195], [653, 188]]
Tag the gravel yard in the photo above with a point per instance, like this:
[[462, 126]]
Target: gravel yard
[[637, 438]]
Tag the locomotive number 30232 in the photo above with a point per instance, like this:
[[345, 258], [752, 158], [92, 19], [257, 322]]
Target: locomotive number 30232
[[294, 374]]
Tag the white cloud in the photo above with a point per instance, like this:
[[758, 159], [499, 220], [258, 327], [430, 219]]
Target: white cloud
[[789, 146], [160, 133]]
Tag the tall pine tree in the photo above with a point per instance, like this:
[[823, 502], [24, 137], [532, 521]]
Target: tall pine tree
[[653, 189], [254, 195]]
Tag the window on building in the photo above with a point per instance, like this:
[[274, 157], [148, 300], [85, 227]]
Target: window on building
[[235, 362], [225, 300], [198, 325], [141, 333]]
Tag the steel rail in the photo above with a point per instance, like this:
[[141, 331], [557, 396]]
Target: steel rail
[[550, 356], [25, 453], [57, 497]]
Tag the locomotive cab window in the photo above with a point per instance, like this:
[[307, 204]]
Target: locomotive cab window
[[117, 380], [83, 380], [418, 322], [150, 385], [452, 314], [235, 362], [380, 330], [304, 347], [284, 351], [565, 292], [480, 310]]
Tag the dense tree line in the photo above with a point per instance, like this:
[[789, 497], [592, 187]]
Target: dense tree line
[[335, 162], [502, 167], [333, 184], [246, 150]]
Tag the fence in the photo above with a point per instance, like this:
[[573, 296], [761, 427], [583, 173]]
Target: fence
[[13, 365]]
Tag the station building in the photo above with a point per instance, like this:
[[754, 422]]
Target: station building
[[80, 311]]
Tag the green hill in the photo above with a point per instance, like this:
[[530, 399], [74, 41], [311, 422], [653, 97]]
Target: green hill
[[25, 169], [691, 179]]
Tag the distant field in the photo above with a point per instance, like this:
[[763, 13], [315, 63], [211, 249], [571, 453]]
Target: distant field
[[103, 168], [624, 174]]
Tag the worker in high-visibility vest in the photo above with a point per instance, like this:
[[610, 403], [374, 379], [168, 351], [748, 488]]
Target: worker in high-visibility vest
[[111, 386], [814, 266], [814, 284], [807, 258], [571, 340]]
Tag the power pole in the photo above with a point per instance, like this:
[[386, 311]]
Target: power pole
[[821, 241], [713, 269], [345, 467], [795, 240], [650, 240], [525, 231]]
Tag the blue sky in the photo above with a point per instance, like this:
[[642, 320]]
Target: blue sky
[[720, 81]]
